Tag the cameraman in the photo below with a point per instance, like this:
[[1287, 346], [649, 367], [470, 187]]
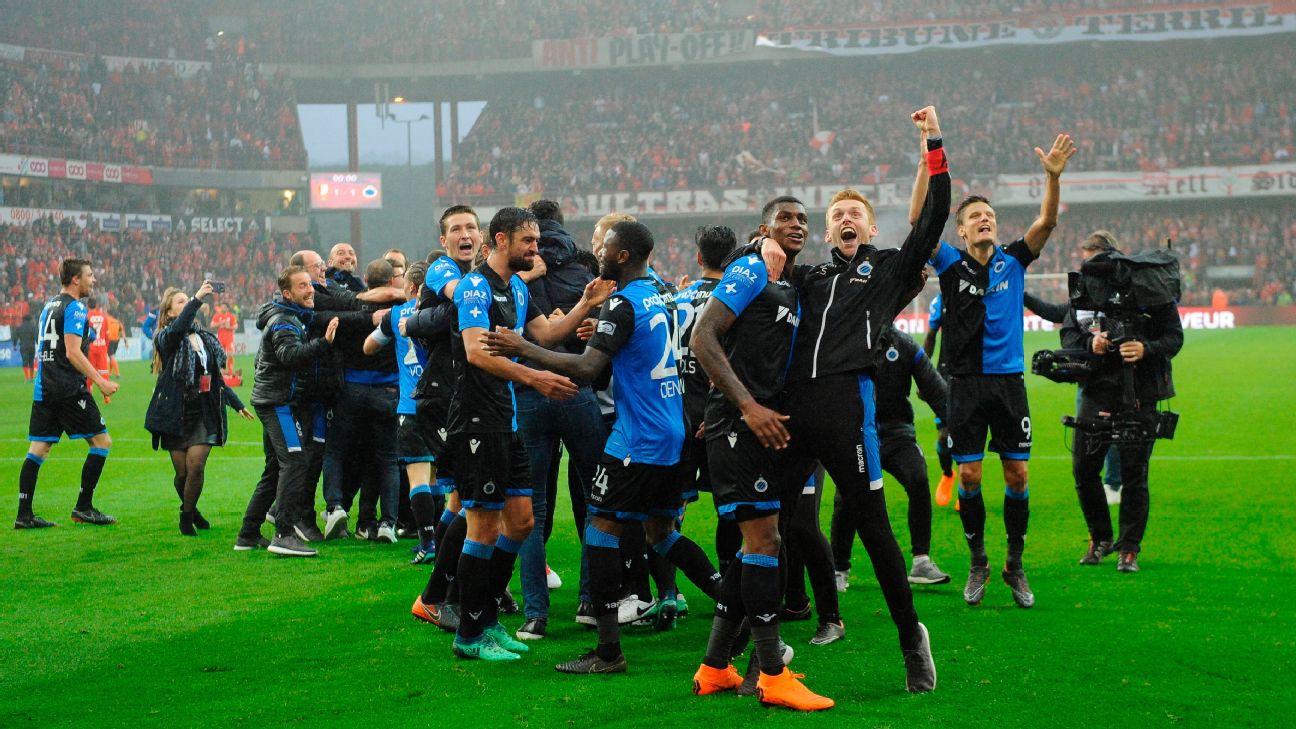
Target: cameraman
[[1157, 337]]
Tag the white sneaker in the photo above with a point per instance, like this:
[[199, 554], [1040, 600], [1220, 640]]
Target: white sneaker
[[552, 578], [387, 533], [1113, 495], [335, 523], [632, 609], [842, 577]]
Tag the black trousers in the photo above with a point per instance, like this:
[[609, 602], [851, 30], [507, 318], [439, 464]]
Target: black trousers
[[808, 551], [903, 459], [287, 436], [1087, 456], [833, 421]]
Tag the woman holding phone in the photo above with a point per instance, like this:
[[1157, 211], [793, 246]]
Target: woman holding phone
[[187, 413]]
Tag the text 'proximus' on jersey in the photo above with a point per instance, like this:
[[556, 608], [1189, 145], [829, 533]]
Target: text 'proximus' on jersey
[[636, 330]]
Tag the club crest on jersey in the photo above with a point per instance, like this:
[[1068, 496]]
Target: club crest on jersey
[[999, 266], [733, 440], [473, 445], [488, 487], [892, 355], [761, 485], [864, 269]]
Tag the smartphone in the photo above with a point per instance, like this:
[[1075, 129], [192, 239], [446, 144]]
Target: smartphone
[[218, 287]]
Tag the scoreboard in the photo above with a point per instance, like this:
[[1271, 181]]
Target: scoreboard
[[345, 191]]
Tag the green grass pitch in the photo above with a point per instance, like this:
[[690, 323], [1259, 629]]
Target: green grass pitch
[[134, 625]]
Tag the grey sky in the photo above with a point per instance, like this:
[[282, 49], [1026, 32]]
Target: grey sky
[[324, 133]]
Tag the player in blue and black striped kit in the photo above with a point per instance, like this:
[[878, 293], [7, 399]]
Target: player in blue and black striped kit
[[490, 463], [60, 401], [638, 479], [982, 289]]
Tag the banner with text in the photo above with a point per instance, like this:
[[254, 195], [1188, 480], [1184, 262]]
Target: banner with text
[[1194, 183], [73, 169], [1187, 183], [657, 49], [105, 221], [1171, 21]]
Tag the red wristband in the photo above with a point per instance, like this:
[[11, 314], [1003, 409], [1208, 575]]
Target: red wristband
[[937, 163]]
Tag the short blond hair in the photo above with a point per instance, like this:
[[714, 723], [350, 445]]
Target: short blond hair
[[852, 194], [607, 221]]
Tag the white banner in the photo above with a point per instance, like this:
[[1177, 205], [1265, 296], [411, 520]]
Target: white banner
[[730, 200], [1178, 184], [657, 49], [1223, 18]]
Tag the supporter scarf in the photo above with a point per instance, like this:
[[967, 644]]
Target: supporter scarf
[[182, 362]]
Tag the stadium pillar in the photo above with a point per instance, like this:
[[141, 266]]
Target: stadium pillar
[[353, 165], [454, 129], [440, 155]]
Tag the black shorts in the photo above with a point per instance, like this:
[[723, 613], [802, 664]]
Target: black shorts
[[77, 416], [420, 438], [633, 492], [746, 480], [489, 468], [996, 402], [112, 347], [694, 474]]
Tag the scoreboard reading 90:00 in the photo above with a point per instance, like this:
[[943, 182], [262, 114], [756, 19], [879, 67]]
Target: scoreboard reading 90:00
[[345, 191]]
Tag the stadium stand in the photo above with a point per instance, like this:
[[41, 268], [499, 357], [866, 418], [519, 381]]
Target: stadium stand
[[411, 31], [644, 132], [228, 116], [132, 268]]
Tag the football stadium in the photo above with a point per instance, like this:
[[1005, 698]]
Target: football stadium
[[362, 363]]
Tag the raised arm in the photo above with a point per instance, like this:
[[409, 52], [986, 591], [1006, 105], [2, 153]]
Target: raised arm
[[1053, 163], [923, 238], [168, 340], [918, 195]]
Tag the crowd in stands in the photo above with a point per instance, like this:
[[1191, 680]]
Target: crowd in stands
[[1176, 108], [227, 116], [1231, 234], [133, 268], [415, 31]]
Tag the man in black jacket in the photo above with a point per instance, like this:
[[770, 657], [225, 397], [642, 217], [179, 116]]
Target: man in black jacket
[[287, 351], [321, 383], [365, 412], [1158, 339]]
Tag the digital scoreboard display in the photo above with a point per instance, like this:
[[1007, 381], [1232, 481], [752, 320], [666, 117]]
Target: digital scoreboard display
[[345, 191]]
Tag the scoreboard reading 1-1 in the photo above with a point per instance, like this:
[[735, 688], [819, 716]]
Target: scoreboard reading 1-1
[[345, 191]]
